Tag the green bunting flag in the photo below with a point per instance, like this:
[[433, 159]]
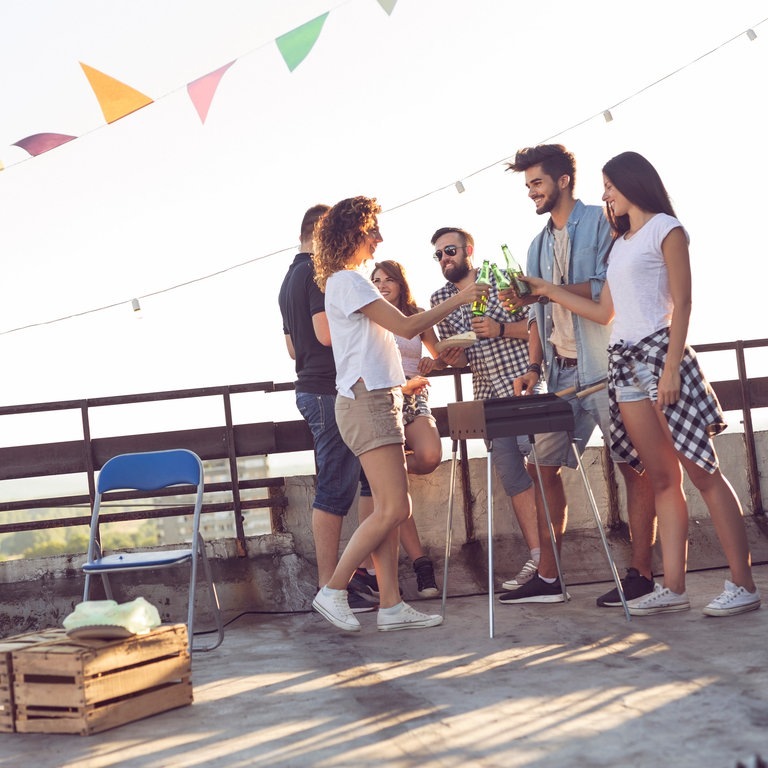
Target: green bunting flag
[[296, 44], [388, 5]]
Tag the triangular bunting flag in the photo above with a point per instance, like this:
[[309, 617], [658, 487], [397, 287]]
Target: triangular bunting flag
[[42, 142], [296, 44], [116, 99], [387, 5], [202, 90]]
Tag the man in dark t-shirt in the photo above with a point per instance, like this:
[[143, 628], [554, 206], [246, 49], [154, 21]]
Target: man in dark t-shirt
[[308, 340]]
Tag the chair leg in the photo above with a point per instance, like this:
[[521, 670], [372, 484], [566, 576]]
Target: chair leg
[[599, 522], [449, 526], [213, 597]]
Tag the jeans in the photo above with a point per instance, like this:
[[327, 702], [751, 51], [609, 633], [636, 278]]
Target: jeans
[[338, 469]]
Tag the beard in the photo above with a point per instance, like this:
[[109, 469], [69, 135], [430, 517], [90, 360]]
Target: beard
[[550, 203], [457, 272]]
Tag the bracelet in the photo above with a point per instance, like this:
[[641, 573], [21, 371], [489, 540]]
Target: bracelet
[[534, 368], [502, 328]]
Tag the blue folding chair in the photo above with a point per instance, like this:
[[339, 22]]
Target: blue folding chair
[[153, 471]]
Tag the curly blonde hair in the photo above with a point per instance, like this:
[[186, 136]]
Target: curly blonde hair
[[340, 232]]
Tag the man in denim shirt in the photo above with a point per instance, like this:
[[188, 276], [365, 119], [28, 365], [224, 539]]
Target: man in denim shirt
[[572, 250]]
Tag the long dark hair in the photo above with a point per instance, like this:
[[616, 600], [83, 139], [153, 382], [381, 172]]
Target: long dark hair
[[396, 271], [640, 183]]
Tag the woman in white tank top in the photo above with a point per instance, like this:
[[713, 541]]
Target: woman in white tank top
[[663, 411]]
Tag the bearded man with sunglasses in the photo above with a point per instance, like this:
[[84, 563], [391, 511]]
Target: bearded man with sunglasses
[[497, 358]]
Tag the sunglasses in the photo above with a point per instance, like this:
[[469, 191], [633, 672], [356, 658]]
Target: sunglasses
[[449, 250]]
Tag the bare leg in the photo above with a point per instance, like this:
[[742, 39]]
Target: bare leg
[[364, 510], [378, 534], [558, 512], [650, 435], [524, 506], [409, 538], [422, 437], [326, 531], [726, 514], [642, 518]]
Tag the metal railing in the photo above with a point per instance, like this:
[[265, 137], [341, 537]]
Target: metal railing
[[230, 441]]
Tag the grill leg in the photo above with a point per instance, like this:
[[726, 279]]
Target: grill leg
[[549, 520], [491, 623], [599, 522], [449, 527]]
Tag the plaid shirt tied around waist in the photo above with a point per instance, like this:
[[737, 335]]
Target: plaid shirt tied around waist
[[693, 419]]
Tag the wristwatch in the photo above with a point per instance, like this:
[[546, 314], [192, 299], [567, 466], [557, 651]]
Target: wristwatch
[[543, 299]]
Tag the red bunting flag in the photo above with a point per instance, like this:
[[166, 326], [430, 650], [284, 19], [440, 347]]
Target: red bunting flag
[[202, 90], [42, 142]]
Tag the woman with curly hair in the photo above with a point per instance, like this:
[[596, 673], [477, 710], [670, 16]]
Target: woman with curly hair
[[369, 377]]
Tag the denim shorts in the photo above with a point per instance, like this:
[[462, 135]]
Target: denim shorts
[[372, 419], [413, 406], [509, 460], [553, 449], [338, 469], [644, 385]]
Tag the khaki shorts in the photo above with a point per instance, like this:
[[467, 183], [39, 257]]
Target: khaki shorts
[[372, 419]]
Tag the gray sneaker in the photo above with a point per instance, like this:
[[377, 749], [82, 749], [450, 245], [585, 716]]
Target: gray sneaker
[[527, 572], [332, 604], [407, 618]]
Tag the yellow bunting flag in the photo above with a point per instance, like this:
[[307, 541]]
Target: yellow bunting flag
[[296, 44], [116, 99]]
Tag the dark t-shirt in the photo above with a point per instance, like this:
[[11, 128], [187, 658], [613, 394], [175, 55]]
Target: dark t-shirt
[[300, 299]]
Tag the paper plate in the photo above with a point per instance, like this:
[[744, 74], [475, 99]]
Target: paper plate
[[461, 340]]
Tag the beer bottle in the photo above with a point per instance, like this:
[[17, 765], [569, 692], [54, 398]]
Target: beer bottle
[[484, 278], [501, 283], [515, 272]]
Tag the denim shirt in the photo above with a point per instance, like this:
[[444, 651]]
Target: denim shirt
[[590, 237]]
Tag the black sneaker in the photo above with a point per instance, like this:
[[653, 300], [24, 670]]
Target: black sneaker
[[634, 585], [365, 584], [359, 603], [535, 591], [425, 577]]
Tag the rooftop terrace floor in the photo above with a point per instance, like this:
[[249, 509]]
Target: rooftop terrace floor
[[559, 685]]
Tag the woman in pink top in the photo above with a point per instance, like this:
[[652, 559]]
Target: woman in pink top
[[664, 413]]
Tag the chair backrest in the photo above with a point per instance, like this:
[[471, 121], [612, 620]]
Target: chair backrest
[[150, 471]]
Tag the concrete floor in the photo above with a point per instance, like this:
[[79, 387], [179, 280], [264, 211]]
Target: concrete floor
[[569, 685]]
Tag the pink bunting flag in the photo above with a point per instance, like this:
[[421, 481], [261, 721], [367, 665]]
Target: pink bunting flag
[[42, 142], [202, 90]]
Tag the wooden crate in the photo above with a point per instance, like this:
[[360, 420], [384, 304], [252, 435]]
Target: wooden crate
[[88, 686], [7, 646]]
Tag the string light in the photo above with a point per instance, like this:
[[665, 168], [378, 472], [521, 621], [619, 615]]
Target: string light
[[459, 185]]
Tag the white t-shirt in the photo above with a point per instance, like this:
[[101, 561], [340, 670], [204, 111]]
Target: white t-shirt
[[639, 282], [361, 349]]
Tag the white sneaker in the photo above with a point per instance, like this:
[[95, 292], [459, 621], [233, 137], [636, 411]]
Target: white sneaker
[[406, 618], [661, 600], [733, 600], [332, 604], [527, 572]]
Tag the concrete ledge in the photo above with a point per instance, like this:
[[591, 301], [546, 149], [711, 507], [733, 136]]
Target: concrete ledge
[[279, 572]]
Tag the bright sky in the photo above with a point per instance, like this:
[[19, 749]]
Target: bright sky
[[394, 106]]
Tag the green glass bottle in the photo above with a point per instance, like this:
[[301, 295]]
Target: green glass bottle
[[515, 272], [483, 278], [501, 283]]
